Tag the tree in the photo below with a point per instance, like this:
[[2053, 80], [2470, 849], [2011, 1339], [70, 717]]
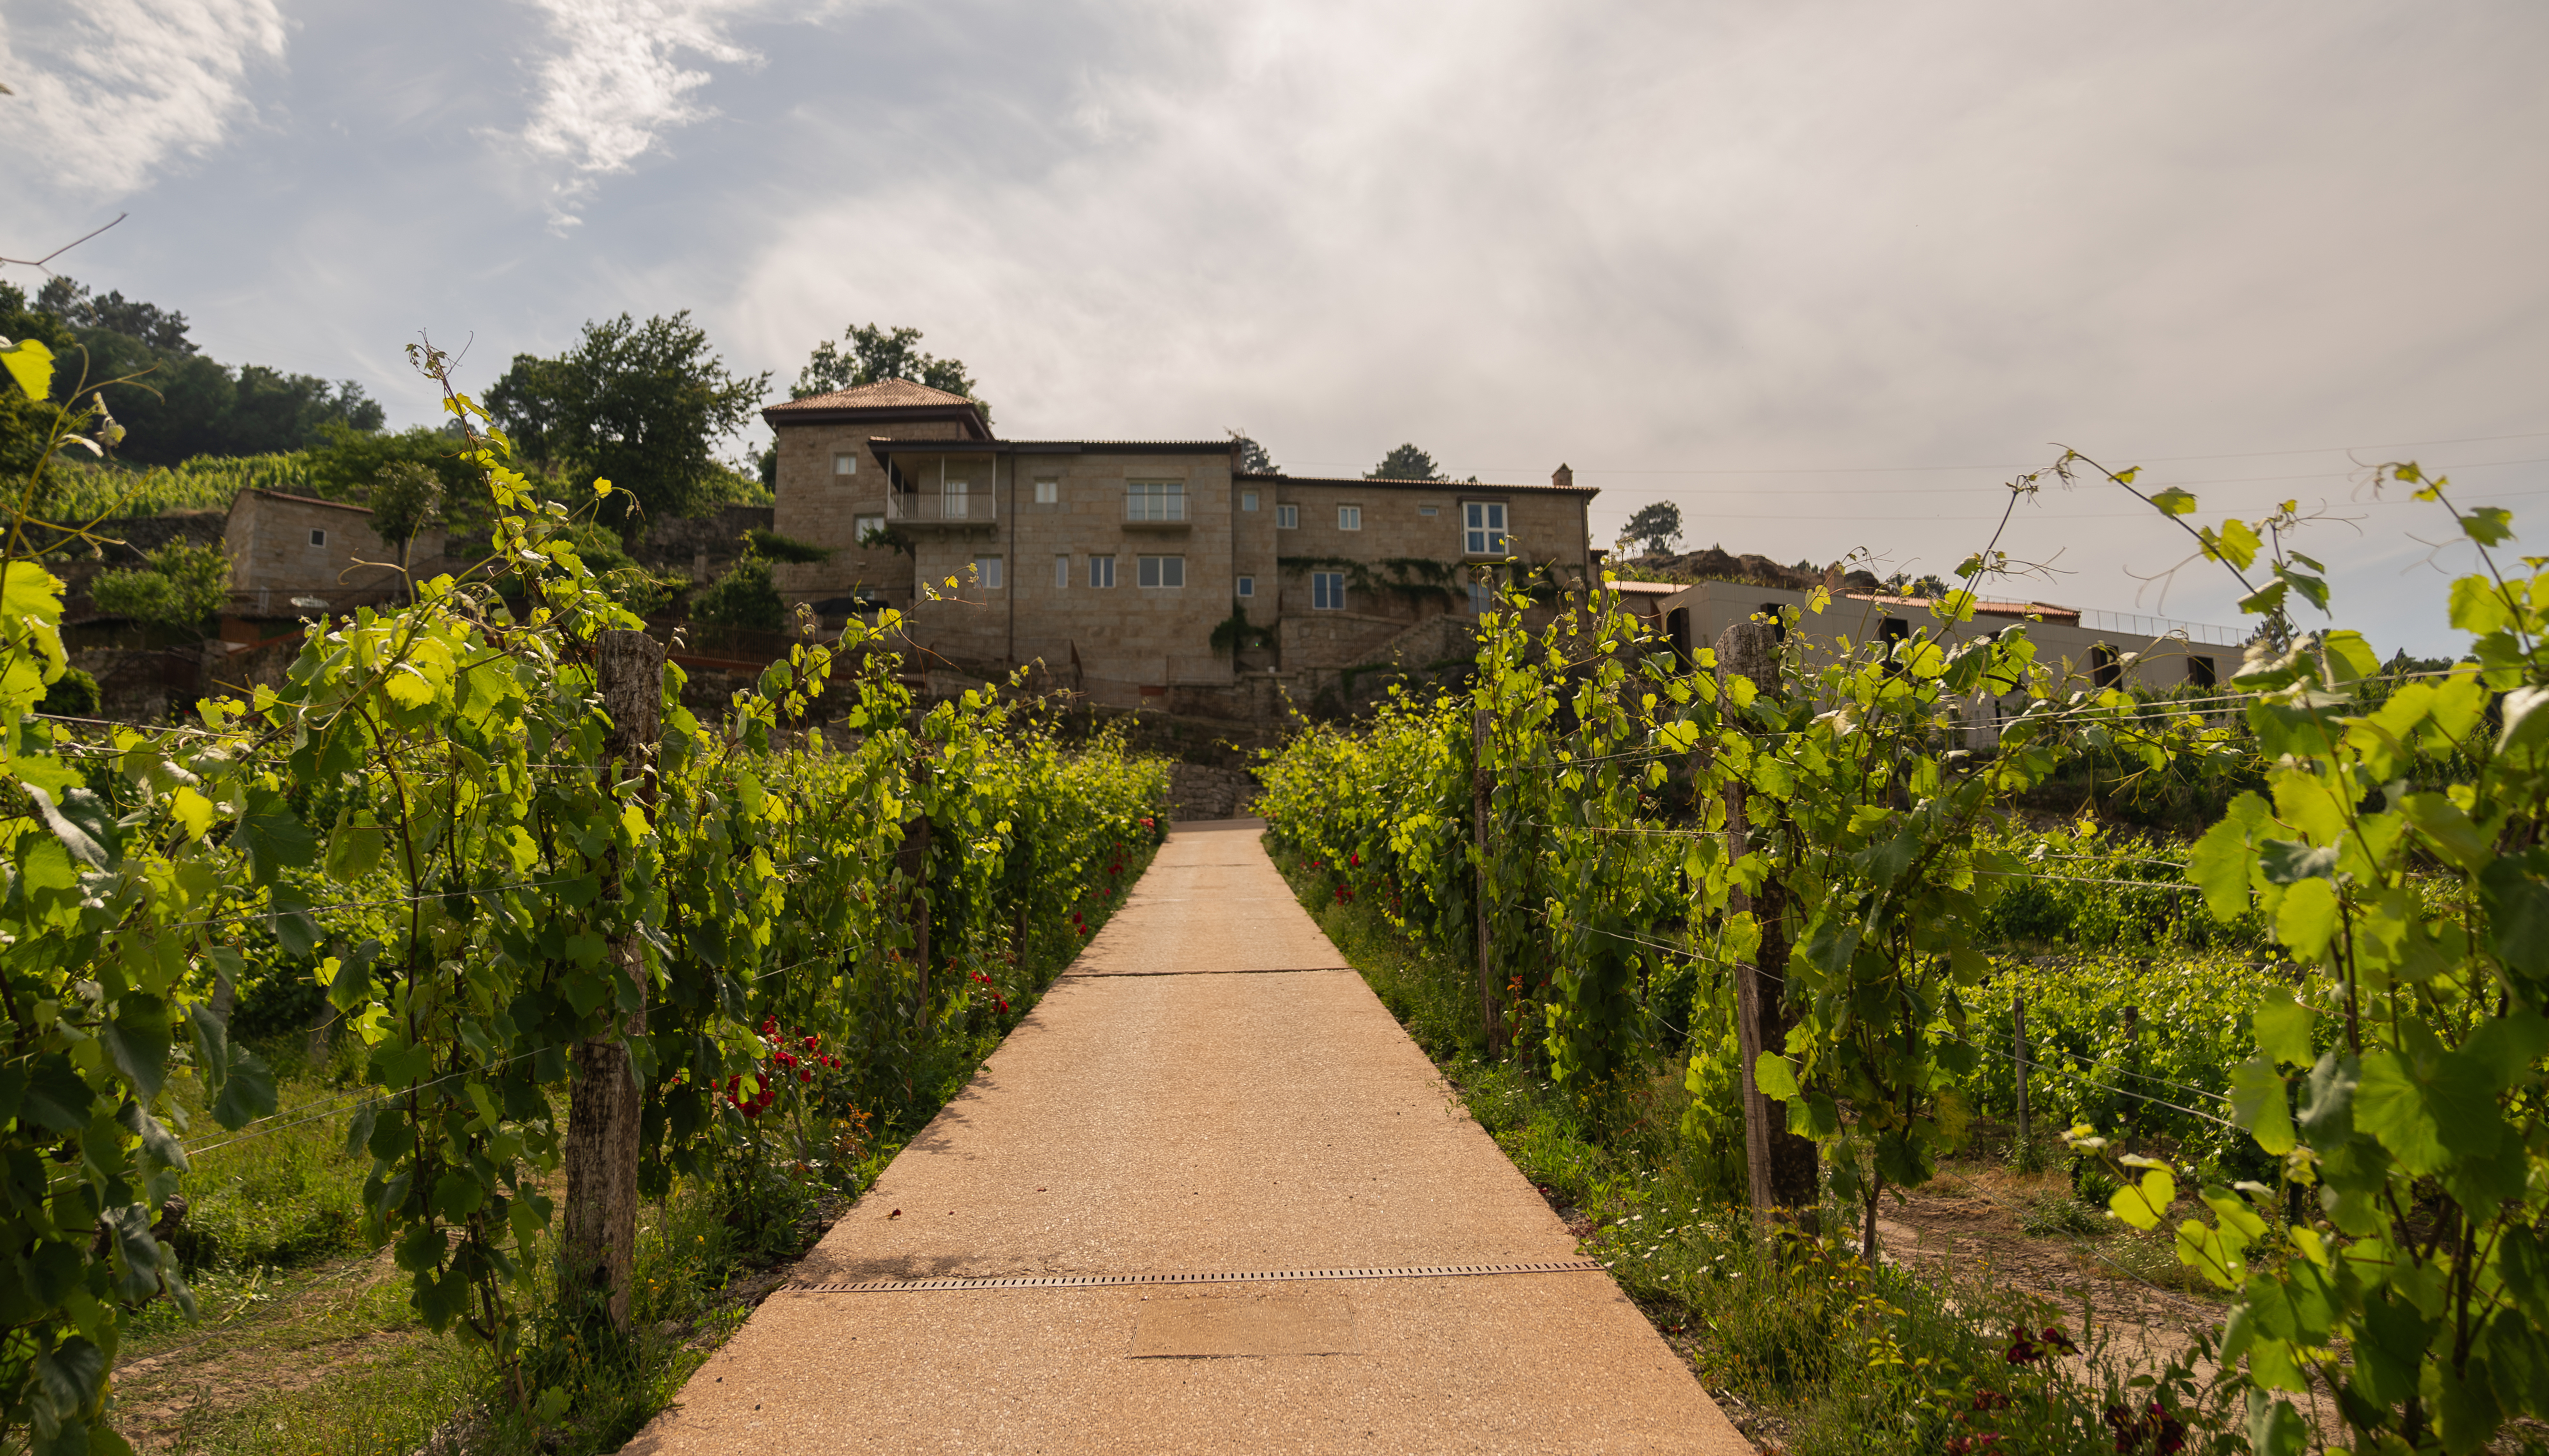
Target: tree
[[1658, 525], [405, 497], [880, 354], [146, 323], [25, 424], [1253, 458], [184, 587], [639, 405], [348, 464], [1406, 463], [186, 405]]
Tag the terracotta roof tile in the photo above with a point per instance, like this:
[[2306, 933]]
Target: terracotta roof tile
[[885, 394]]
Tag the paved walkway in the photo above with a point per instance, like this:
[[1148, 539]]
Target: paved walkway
[[1207, 1091]]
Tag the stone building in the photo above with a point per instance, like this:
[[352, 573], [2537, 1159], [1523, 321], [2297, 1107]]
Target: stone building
[[285, 546], [1156, 563]]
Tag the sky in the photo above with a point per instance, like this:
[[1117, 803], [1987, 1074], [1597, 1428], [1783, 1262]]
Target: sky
[[1825, 275]]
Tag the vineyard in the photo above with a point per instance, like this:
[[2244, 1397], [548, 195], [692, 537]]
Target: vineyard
[[581, 952], [2300, 1050]]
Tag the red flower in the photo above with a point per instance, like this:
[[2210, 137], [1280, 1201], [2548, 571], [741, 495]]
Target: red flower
[[1355, 860], [2057, 1342]]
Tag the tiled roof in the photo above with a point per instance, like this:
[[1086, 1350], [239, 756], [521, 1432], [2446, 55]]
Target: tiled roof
[[885, 444], [885, 394], [1445, 486], [303, 501]]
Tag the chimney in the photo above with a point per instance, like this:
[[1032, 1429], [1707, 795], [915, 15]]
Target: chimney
[[1562, 477]]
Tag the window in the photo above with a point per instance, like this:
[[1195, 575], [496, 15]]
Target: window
[[864, 528], [1350, 517], [956, 499], [1328, 590], [1482, 524], [1482, 598], [1246, 587], [1048, 490], [1429, 511], [1777, 617], [987, 573], [1287, 517], [318, 538], [844, 462], [1248, 500], [1155, 499], [2104, 669], [2199, 672], [1101, 571], [1163, 571], [1062, 573]]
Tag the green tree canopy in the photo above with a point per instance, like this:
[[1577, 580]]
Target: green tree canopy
[[874, 353], [1658, 526], [184, 404], [639, 405], [406, 498], [347, 464], [25, 424], [1406, 463], [1253, 457]]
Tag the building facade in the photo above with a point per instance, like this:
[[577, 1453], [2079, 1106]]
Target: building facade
[[1152, 562], [282, 546]]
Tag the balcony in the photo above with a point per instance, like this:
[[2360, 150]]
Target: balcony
[[951, 507]]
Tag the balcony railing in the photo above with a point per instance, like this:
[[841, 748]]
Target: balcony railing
[[2142, 626], [934, 506]]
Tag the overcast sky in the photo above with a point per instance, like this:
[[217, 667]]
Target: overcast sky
[[1824, 274]]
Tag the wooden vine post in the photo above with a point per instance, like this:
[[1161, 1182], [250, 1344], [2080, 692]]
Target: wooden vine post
[[599, 1242], [2017, 1051], [1779, 1165], [1489, 1019]]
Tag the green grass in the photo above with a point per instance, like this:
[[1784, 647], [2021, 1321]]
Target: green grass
[[1811, 1350]]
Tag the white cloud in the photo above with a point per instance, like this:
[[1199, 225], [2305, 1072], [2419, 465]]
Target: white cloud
[[619, 81], [108, 91]]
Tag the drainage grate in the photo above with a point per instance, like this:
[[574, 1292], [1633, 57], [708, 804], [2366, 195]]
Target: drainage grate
[[1103, 1281]]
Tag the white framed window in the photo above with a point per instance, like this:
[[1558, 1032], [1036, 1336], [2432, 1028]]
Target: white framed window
[[844, 463], [1328, 590], [865, 527], [955, 498], [987, 573], [1287, 517], [1155, 499], [1429, 511], [1246, 587], [318, 538], [1101, 571], [1482, 527], [1162, 571], [1062, 573], [1248, 500], [1482, 598], [1048, 490], [1350, 517]]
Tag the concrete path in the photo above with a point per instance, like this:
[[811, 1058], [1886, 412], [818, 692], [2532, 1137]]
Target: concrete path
[[1207, 1091]]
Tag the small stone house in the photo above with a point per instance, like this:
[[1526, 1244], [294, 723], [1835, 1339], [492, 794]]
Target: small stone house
[[284, 546], [1135, 560]]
